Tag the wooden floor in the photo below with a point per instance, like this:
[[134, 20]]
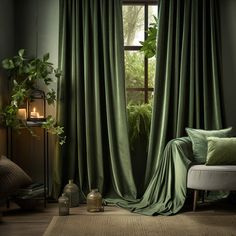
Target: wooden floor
[[18, 222]]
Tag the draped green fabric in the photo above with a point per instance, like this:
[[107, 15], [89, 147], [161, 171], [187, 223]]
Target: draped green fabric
[[186, 95], [188, 73], [166, 191], [91, 100]]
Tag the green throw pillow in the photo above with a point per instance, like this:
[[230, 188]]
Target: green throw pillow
[[199, 141], [221, 151]]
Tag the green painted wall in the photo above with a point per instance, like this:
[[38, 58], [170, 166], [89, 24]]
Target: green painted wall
[[36, 30], [6, 49], [36, 24], [228, 37]]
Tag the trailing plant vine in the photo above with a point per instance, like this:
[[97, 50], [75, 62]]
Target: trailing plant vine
[[24, 75]]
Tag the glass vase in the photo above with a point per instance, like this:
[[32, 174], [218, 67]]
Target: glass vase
[[72, 192], [63, 203], [94, 201]]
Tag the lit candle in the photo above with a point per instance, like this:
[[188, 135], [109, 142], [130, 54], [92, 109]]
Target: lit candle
[[21, 114], [34, 114]]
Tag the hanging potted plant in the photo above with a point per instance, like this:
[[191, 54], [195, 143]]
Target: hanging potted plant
[[24, 76]]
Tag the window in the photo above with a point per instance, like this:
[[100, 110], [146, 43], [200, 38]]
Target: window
[[139, 71]]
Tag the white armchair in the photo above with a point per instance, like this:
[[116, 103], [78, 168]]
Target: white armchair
[[202, 177]]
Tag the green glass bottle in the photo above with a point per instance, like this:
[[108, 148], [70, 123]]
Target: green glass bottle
[[72, 192], [94, 201]]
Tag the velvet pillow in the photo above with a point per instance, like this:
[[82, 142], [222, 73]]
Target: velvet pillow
[[12, 177], [199, 141], [221, 151]]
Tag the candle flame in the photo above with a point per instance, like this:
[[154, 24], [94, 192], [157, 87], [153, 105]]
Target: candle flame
[[34, 109]]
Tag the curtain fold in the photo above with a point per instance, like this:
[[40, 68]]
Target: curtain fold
[[186, 94], [91, 100], [187, 90]]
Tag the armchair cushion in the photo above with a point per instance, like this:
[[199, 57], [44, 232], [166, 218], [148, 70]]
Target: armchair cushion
[[199, 141], [213, 178], [221, 151]]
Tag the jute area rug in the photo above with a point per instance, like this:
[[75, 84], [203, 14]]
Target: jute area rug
[[119, 222]]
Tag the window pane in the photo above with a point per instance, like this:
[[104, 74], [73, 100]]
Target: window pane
[[151, 71], [135, 97], [152, 11], [134, 69], [133, 24]]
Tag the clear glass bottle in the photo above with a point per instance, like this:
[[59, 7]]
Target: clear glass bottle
[[72, 192], [94, 201], [63, 203]]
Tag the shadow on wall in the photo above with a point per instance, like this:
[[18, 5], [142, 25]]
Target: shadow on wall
[[228, 38], [3, 102]]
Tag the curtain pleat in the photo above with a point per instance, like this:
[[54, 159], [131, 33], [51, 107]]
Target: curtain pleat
[[92, 105], [91, 100], [187, 94]]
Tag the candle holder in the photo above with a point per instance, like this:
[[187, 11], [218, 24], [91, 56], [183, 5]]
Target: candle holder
[[36, 106]]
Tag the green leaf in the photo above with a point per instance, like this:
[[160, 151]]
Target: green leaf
[[21, 52], [25, 74], [57, 73], [46, 57], [62, 140], [51, 96], [48, 81], [139, 121], [8, 64]]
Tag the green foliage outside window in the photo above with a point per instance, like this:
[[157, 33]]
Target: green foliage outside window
[[134, 69], [139, 121], [139, 114]]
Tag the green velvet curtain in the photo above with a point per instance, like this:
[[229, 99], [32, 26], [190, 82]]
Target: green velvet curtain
[[91, 100], [187, 92]]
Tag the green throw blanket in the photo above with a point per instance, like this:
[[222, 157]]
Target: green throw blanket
[[166, 192]]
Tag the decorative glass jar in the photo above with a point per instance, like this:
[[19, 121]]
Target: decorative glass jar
[[63, 203], [94, 201], [72, 192]]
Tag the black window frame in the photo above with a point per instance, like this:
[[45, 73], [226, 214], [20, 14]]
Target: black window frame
[[146, 89]]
